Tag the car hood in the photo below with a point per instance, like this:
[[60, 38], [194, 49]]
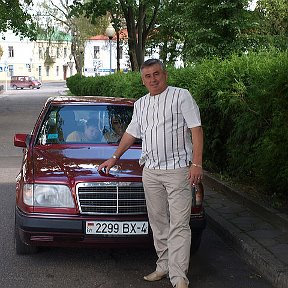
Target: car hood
[[80, 164]]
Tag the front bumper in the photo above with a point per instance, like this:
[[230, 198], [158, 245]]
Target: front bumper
[[69, 231]]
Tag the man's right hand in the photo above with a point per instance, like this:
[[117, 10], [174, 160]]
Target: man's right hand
[[107, 165]]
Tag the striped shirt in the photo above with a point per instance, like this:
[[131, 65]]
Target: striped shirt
[[162, 122]]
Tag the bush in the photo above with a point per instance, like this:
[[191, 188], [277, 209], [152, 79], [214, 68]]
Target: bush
[[115, 85], [244, 110], [243, 102]]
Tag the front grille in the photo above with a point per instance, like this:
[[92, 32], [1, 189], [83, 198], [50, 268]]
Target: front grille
[[111, 198]]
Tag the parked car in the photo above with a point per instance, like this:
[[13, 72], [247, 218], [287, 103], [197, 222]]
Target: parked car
[[62, 199], [24, 82]]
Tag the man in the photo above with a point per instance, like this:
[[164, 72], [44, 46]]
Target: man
[[167, 120]]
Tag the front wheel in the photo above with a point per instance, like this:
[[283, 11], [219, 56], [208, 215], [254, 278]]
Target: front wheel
[[21, 247]]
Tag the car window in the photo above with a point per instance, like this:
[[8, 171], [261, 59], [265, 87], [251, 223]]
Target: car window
[[95, 124]]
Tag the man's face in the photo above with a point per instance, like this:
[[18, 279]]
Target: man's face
[[154, 78]]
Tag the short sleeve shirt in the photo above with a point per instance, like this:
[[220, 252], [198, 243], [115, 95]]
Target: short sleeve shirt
[[162, 122]]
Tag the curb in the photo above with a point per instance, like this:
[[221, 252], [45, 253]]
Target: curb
[[278, 219], [252, 252], [263, 261]]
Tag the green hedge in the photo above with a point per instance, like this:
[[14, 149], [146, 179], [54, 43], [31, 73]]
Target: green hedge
[[244, 110], [245, 103], [115, 85]]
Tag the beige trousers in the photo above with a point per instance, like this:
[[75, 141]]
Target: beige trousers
[[168, 197]]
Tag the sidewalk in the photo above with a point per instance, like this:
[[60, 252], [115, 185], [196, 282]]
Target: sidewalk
[[258, 234]]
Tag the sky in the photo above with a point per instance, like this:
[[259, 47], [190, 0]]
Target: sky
[[253, 4]]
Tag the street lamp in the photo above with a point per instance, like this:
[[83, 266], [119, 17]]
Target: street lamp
[[70, 64], [110, 32]]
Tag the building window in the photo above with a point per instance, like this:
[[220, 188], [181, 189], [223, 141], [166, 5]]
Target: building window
[[65, 52], [40, 53], [96, 52], [57, 71], [40, 72], [58, 52], [10, 51], [47, 70]]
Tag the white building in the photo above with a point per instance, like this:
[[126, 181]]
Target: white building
[[22, 57], [97, 58]]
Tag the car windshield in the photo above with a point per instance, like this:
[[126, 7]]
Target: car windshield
[[94, 124]]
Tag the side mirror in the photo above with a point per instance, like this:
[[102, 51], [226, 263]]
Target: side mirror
[[21, 140]]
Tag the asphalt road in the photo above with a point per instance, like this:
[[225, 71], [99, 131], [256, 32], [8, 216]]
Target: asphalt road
[[215, 265]]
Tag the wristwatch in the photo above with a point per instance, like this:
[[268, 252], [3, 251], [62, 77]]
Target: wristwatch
[[114, 157]]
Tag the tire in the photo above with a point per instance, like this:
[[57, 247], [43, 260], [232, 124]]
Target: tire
[[195, 242], [31, 87], [21, 247], [14, 87]]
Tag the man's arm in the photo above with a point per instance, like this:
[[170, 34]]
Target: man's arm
[[196, 171], [126, 141]]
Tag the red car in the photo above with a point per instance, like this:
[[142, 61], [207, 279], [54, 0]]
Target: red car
[[24, 82], [61, 198]]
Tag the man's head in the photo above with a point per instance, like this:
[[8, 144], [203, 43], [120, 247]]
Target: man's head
[[154, 76]]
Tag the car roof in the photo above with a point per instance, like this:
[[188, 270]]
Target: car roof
[[87, 100]]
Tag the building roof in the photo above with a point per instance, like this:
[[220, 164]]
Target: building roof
[[123, 34], [55, 36]]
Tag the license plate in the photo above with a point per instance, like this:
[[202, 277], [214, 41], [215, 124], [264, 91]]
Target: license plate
[[117, 228]]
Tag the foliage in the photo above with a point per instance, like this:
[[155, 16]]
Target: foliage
[[202, 29], [58, 17], [15, 16], [115, 85], [243, 102], [271, 29], [247, 98], [168, 36], [274, 16], [215, 28], [140, 17]]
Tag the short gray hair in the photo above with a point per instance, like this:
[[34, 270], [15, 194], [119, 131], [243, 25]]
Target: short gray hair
[[151, 62]]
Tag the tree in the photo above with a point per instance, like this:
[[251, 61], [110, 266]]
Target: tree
[[168, 37], [15, 16], [215, 28], [140, 18], [57, 16], [274, 16], [270, 26]]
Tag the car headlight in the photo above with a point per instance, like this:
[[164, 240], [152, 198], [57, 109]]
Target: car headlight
[[45, 195]]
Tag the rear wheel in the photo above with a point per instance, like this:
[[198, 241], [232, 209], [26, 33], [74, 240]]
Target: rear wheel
[[21, 247], [14, 87]]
